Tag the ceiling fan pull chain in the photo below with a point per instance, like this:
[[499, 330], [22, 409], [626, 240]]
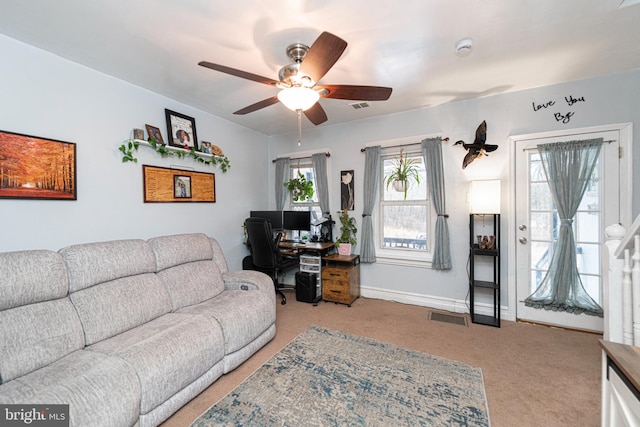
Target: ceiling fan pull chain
[[299, 127]]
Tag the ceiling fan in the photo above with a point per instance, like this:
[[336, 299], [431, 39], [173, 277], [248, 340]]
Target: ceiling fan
[[298, 81]]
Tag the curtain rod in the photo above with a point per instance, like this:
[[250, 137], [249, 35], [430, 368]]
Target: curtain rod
[[402, 145], [608, 141], [328, 154]]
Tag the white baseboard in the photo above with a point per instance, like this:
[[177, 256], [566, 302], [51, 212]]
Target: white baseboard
[[440, 303]]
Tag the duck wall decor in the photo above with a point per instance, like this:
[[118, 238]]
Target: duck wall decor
[[479, 147]]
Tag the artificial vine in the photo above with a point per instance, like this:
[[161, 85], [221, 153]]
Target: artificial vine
[[128, 147]]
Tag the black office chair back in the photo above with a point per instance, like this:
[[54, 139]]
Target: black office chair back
[[262, 243]]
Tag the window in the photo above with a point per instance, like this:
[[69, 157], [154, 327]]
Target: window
[[403, 225], [305, 167]]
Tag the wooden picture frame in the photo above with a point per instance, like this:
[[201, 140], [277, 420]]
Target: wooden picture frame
[[33, 167], [155, 133], [163, 185], [181, 130]]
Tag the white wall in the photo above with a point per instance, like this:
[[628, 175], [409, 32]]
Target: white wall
[[44, 95], [606, 100]]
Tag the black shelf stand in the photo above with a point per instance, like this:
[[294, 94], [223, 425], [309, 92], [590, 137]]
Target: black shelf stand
[[493, 254]]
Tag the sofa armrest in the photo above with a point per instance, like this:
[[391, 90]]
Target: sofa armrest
[[249, 280]]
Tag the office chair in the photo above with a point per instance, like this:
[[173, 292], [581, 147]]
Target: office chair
[[265, 251]]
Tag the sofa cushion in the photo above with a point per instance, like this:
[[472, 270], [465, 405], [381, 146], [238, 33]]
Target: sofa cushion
[[101, 390], [167, 353], [114, 287], [31, 276], [113, 307], [218, 256], [92, 263], [38, 324], [35, 335], [192, 283], [243, 315], [180, 249]]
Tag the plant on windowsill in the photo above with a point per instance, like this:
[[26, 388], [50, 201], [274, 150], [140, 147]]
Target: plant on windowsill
[[348, 231], [128, 147], [404, 172], [300, 188]]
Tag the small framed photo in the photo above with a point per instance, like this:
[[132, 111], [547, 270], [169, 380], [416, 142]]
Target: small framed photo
[[181, 130], [182, 186], [155, 134]]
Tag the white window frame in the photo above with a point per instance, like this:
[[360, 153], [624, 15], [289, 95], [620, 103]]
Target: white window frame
[[303, 163], [400, 256]]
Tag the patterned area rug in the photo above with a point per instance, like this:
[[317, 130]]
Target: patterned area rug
[[329, 378]]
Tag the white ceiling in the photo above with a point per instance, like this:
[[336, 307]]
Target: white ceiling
[[408, 45]]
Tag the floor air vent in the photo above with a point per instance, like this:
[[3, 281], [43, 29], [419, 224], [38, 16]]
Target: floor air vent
[[456, 319]]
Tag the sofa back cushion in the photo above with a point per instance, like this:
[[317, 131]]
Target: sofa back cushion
[[38, 324], [187, 267], [218, 256], [113, 286]]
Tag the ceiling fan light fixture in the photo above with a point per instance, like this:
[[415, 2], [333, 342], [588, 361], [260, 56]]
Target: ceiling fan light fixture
[[298, 98]]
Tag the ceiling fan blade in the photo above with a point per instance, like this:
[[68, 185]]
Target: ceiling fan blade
[[316, 114], [238, 73], [356, 93], [322, 55], [257, 106]]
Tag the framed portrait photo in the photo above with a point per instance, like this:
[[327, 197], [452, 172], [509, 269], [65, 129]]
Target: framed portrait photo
[[155, 134], [181, 130], [32, 167], [182, 186]]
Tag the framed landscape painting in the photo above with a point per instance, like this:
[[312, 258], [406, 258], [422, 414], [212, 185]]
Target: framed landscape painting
[[32, 167]]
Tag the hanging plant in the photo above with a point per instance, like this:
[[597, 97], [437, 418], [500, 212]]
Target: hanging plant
[[404, 172], [300, 188]]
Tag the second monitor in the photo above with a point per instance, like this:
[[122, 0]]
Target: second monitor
[[296, 220]]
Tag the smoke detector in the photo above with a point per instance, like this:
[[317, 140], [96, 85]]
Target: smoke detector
[[464, 47]]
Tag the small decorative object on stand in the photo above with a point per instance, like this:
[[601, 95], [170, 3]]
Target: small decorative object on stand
[[138, 134]]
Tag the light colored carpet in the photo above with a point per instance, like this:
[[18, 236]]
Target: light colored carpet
[[329, 378], [533, 375]]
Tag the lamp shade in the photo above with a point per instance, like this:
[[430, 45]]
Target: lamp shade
[[484, 196], [298, 98]]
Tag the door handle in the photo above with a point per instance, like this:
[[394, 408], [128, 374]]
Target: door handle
[[523, 240], [522, 227]]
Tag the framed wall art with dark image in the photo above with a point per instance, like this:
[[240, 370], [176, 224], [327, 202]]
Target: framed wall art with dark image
[[155, 133], [33, 167], [181, 130]]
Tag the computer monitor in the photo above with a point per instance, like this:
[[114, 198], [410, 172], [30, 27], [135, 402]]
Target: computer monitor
[[275, 217], [296, 220]]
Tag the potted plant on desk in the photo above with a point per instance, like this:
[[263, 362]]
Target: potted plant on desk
[[348, 232]]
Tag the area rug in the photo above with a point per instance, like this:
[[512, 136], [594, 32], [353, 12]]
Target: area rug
[[330, 378]]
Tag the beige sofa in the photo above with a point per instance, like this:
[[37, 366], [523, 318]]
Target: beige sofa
[[126, 332]]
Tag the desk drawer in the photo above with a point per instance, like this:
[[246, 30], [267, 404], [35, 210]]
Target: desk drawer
[[336, 274], [336, 291]]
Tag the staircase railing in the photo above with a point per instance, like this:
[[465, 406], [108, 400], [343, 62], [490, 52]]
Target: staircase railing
[[621, 293]]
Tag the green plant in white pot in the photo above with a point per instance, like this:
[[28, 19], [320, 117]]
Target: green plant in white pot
[[404, 171], [348, 232]]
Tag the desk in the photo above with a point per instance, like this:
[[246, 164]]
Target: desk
[[322, 247]]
